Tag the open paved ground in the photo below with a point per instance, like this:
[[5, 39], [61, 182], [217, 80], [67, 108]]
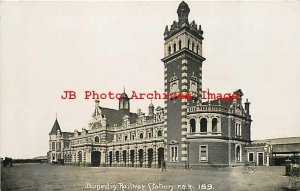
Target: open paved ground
[[51, 177]]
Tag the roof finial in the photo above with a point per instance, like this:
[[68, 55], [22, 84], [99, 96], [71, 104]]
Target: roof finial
[[56, 116], [183, 12], [124, 89]]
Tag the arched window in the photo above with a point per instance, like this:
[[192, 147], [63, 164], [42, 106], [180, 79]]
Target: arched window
[[126, 138], [188, 45], [193, 125], [193, 46], [174, 47], [169, 50], [203, 125], [214, 125], [97, 140], [149, 135], [197, 49], [179, 44], [238, 153], [141, 136], [159, 133]]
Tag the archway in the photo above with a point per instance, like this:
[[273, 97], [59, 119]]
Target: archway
[[117, 156], [192, 126], [96, 158], [132, 158], [124, 157], [214, 124], [160, 156], [238, 153], [141, 157], [150, 157], [110, 158], [203, 125]]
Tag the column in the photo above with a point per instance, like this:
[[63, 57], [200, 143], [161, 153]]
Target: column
[[113, 157], [136, 156], [155, 156], [209, 127], [145, 157], [219, 130], [102, 158], [128, 157], [197, 125]]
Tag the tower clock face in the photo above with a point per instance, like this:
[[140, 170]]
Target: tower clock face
[[194, 87], [174, 87]]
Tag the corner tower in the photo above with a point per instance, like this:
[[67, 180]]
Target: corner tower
[[182, 74]]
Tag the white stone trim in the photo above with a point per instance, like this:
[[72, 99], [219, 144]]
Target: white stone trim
[[184, 61], [184, 80], [183, 152], [183, 158], [184, 74], [184, 87]]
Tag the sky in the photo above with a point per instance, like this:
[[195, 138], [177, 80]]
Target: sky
[[50, 47]]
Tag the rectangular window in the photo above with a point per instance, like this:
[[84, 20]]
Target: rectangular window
[[174, 153], [53, 146], [250, 157], [203, 153], [238, 129], [58, 146]]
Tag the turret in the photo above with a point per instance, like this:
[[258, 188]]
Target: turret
[[151, 109], [124, 102]]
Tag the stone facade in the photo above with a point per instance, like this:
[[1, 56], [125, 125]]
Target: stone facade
[[186, 133]]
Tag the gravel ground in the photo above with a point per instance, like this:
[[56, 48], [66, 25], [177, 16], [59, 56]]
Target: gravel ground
[[52, 177]]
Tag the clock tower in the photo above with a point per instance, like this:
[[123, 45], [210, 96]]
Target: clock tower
[[182, 75]]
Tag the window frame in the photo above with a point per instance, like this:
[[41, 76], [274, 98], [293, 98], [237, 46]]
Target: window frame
[[174, 153], [206, 151], [249, 156]]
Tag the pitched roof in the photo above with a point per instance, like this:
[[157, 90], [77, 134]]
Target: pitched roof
[[55, 128], [116, 116]]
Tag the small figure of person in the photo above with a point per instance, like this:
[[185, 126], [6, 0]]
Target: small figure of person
[[163, 166]]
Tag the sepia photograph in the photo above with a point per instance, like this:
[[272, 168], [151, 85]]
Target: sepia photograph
[[150, 95]]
